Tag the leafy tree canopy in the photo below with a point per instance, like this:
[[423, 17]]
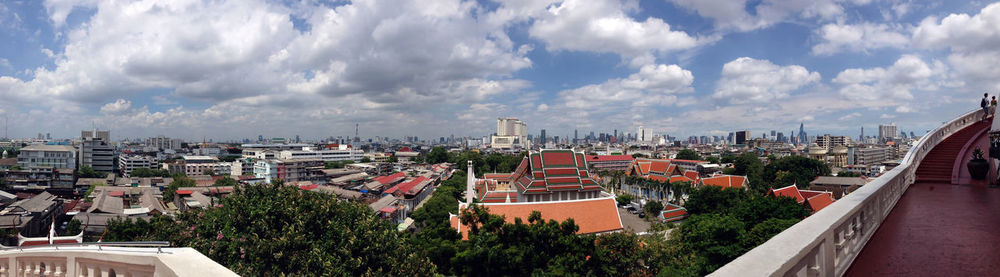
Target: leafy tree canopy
[[277, 230], [798, 170], [688, 154]]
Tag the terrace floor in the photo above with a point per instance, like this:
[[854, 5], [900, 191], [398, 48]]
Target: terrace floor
[[937, 228]]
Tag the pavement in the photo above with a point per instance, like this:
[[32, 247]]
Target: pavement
[[633, 223]]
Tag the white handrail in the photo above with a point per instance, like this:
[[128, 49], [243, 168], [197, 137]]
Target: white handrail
[[826, 243]]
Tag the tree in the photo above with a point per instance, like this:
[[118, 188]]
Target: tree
[[848, 174], [757, 209], [653, 208], [209, 172], [747, 164], [728, 159], [366, 160], [713, 237], [225, 182], [88, 172], [764, 231], [799, 170], [624, 199], [86, 195], [639, 155], [73, 228], [688, 154], [179, 182], [276, 230], [437, 155], [712, 199], [712, 160]]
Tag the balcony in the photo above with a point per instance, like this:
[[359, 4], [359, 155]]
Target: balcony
[[924, 217], [100, 260]]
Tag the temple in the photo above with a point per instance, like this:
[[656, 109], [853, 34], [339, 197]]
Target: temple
[[556, 183]]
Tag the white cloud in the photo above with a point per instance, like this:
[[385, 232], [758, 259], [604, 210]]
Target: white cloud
[[747, 80], [350, 62], [652, 85], [604, 26], [117, 107], [889, 85], [973, 41], [850, 116], [730, 14], [858, 38]]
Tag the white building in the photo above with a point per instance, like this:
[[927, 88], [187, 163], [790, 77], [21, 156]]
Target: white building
[[128, 163], [511, 132], [887, 132], [40, 155], [341, 153], [197, 165], [164, 143]]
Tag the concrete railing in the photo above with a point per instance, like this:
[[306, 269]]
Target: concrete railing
[[96, 260], [826, 243]]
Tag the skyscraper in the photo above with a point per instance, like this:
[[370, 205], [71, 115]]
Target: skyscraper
[[541, 139], [803, 138]]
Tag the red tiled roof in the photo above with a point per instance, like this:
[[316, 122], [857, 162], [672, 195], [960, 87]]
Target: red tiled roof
[[725, 181], [117, 193], [605, 158], [691, 174], [407, 186], [184, 192], [558, 158], [820, 201], [659, 167], [592, 215], [789, 191], [678, 178], [385, 180], [309, 187]]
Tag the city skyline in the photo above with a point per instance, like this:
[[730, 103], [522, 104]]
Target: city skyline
[[398, 69]]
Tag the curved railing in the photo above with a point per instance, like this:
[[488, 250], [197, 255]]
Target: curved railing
[[102, 259], [826, 243]]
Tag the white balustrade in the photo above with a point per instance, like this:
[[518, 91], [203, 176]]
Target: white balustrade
[[826, 243], [92, 260]]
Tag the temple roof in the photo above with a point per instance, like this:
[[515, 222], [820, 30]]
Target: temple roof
[[553, 170], [596, 215]]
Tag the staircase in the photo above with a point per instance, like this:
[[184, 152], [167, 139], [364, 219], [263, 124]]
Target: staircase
[[937, 166]]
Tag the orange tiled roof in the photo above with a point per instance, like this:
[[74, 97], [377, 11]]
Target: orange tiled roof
[[597, 215], [789, 191], [820, 201], [691, 174], [678, 178], [659, 167], [725, 181]]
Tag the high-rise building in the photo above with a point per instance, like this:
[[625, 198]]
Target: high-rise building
[[96, 151], [541, 139], [741, 137], [803, 138], [887, 132], [511, 132]]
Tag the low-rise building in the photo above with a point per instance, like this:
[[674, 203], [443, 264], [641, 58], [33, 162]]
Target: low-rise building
[[293, 170], [51, 156], [128, 163]]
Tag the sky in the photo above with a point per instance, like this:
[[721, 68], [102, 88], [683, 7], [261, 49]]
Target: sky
[[431, 68]]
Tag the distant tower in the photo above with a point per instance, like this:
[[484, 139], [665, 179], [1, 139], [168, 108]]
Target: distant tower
[[862, 136], [470, 183], [356, 128]]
